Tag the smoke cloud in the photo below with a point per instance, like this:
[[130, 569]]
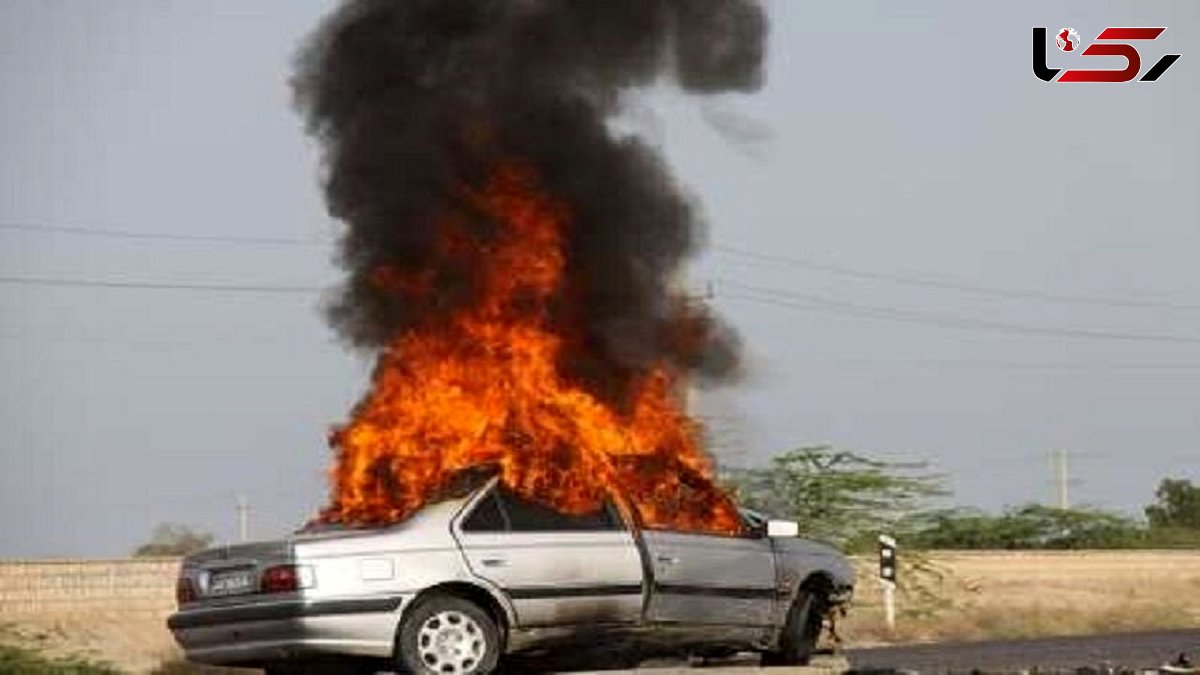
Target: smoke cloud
[[412, 99]]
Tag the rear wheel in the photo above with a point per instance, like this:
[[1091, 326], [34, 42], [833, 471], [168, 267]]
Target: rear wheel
[[798, 641], [447, 635]]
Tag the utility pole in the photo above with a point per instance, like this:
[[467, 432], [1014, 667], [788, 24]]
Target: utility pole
[[243, 518], [1062, 478]]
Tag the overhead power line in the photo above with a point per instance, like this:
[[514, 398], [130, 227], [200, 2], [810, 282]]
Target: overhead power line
[[1159, 367], [929, 282], [724, 249], [155, 285], [774, 296], [807, 302], [163, 236]]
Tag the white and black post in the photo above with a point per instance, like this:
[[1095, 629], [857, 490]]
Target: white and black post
[[887, 578]]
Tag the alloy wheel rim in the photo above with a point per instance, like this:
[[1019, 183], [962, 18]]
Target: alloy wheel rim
[[451, 642]]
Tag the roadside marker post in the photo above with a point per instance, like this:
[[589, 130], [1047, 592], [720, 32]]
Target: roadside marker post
[[887, 578]]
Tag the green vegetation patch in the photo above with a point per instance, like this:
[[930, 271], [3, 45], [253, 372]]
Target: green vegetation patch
[[22, 660]]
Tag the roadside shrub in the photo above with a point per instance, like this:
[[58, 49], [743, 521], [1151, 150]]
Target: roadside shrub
[[1032, 526]]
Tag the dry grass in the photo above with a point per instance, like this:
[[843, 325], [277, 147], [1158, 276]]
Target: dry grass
[[986, 595], [1038, 593], [137, 642]]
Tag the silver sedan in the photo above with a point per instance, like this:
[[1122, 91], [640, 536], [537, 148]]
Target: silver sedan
[[472, 578]]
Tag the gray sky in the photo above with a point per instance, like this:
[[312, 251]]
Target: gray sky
[[907, 142]]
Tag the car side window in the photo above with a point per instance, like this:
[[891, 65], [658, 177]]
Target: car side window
[[487, 516], [528, 516]]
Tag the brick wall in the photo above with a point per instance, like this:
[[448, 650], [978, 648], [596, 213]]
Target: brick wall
[[41, 587]]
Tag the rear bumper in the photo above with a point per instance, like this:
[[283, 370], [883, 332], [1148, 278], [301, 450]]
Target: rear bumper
[[256, 633]]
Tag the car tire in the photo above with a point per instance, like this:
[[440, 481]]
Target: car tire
[[798, 641], [447, 635]]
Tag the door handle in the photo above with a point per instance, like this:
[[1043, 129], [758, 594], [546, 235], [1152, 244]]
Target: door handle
[[494, 562], [668, 560]]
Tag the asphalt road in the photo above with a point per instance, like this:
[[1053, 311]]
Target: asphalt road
[[1134, 651], [1125, 652]]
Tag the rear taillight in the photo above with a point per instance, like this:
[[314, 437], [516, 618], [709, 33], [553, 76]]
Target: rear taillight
[[286, 579], [185, 591]]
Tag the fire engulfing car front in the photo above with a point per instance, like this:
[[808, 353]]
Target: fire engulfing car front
[[466, 580]]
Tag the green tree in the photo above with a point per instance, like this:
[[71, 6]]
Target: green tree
[[847, 500], [173, 539], [839, 496], [1178, 505]]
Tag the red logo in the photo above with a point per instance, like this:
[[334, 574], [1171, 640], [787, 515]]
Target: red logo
[[1110, 42]]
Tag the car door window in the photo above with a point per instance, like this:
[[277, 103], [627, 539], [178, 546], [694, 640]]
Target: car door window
[[487, 516], [528, 516]]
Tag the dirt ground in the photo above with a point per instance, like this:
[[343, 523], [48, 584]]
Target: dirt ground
[[1018, 594], [979, 595], [134, 642]]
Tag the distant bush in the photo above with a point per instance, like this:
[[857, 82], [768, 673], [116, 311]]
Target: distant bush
[[1173, 522], [1032, 526], [172, 539], [1178, 506], [1172, 537], [847, 499]]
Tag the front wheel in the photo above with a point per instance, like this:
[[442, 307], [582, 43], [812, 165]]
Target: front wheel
[[447, 635], [798, 641]]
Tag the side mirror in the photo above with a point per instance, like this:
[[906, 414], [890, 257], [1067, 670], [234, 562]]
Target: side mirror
[[783, 528]]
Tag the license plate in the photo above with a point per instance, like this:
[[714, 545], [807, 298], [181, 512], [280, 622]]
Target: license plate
[[231, 582]]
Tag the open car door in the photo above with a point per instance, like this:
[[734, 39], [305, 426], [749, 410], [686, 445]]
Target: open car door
[[710, 579]]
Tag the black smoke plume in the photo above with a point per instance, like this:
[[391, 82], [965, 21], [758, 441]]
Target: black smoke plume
[[412, 98]]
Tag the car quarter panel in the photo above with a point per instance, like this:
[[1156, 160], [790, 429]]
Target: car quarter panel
[[359, 584], [256, 641]]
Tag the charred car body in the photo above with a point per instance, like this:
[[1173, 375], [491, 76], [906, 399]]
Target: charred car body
[[468, 579]]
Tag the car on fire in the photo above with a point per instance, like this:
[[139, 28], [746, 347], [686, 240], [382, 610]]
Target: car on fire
[[473, 577]]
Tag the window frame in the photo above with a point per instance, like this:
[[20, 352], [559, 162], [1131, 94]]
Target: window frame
[[488, 496], [615, 521]]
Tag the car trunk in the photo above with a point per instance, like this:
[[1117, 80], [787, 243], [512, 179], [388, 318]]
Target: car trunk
[[222, 574]]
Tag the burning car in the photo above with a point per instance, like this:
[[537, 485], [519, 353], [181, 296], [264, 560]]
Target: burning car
[[485, 572], [514, 265]]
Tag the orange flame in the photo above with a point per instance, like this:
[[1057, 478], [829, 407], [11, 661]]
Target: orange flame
[[483, 388]]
